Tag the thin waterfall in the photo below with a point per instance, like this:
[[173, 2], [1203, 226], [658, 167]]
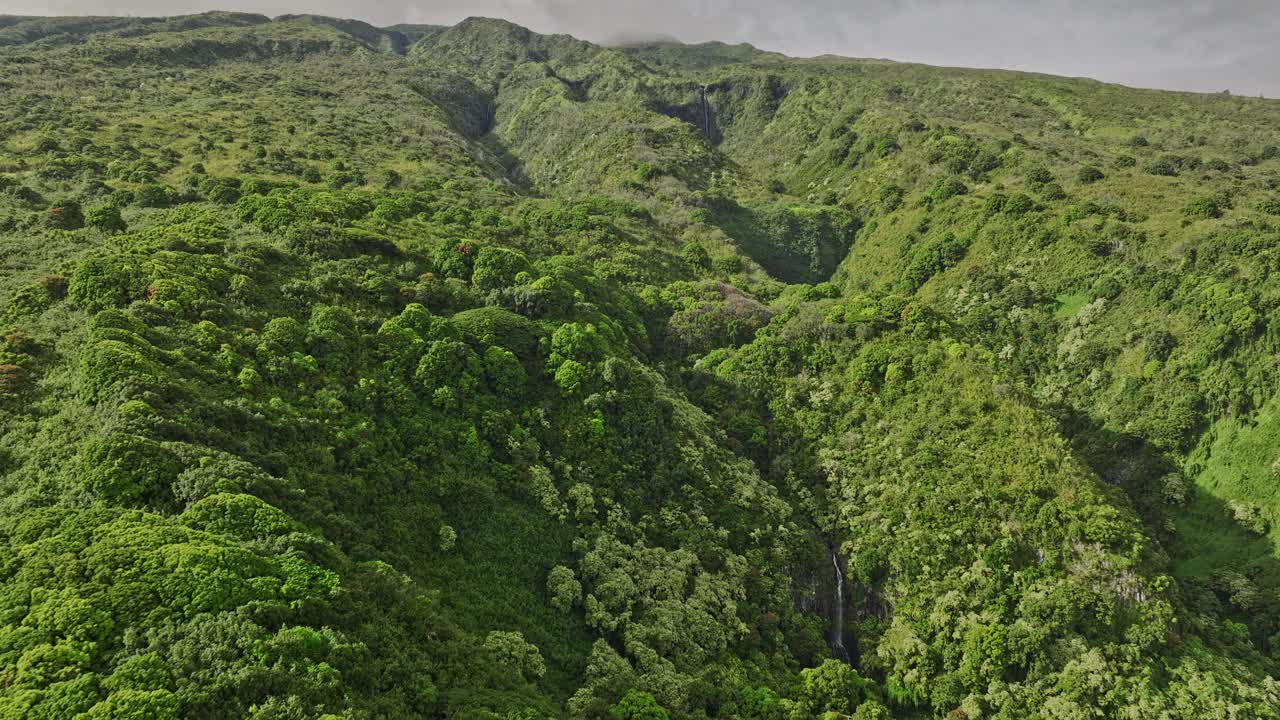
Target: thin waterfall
[[837, 612], [706, 114]]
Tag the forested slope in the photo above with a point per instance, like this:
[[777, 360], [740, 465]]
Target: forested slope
[[356, 372]]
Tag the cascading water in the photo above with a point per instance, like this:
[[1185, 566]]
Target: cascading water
[[706, 114], [837, 612]]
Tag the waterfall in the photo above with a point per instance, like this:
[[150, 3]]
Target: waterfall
[[837, 612], [706, 114]]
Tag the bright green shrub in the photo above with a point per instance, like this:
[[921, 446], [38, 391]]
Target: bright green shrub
[[638, 705], [400, 207], [695, 255], [345, 179], [1205, 208], [455, 260], [284, 334], [153, 196], [564, 588], [105, 218], [947, 188], [497, 267], [833, 686], [107, 363], [924, 260], [127, 469], [220, 190], [136, 705], [503, 373], [961, 155], [243, 517], [496, 326], [148, 671], [332, 338], [448, 363], [512, 651]]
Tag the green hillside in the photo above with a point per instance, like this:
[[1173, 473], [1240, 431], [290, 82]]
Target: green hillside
[[466, 372]]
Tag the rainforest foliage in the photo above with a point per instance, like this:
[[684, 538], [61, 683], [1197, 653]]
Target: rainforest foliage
[[422, 372]]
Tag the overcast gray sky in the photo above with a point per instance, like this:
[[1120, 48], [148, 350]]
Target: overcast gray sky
[[1207, 45]]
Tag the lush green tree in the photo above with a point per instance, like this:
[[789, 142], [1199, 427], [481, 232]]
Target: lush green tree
[[832, 687], [496, 267], [638, 705], [513, 652], [105, 218]]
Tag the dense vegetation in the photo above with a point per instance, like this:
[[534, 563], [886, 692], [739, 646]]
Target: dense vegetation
[[465, 372]]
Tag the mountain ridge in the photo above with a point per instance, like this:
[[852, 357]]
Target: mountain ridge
[[414, 32]]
